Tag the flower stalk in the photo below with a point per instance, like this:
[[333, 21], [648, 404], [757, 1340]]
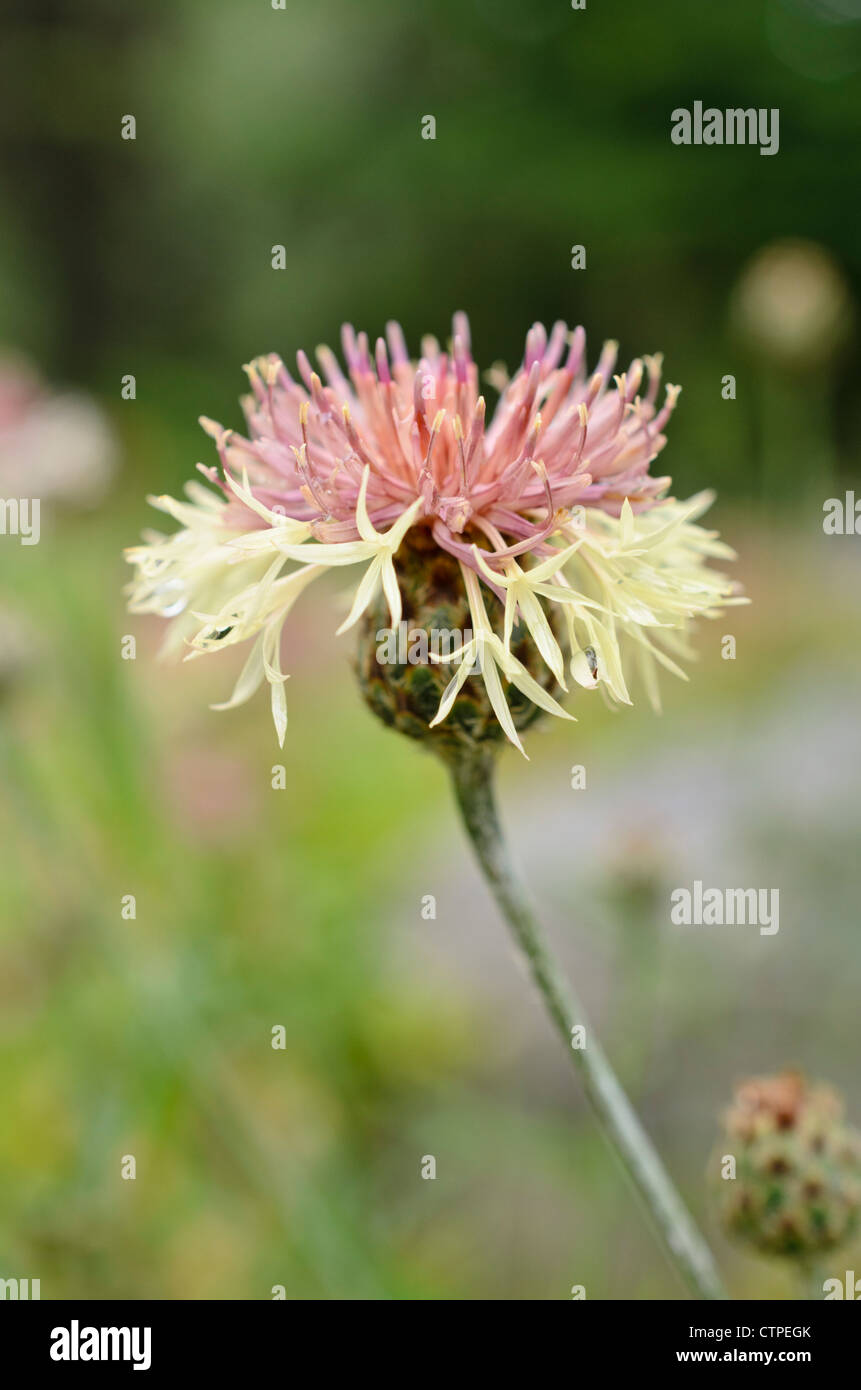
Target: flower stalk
[[473, 778]]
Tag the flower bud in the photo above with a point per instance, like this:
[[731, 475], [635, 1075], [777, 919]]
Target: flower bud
[[797, 1184]]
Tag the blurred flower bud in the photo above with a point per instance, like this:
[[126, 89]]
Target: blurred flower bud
[[797, 1164], [792, 305]]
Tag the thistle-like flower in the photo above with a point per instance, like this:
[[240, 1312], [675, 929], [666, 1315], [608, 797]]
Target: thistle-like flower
[[540, 531], [533, 545]]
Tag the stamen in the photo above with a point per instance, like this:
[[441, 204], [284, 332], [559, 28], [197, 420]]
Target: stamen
[[397, 343], [458, 434], [460, 329], [574, 360], [382, 361], [306, 371]]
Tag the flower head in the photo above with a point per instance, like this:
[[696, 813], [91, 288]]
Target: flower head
[[546, 513]]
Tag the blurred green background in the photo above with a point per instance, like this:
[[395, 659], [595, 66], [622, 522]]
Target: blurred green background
[[255, 908]]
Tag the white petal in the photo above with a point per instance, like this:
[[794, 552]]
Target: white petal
[[455, 685], [279, 710], [498, 702], [250, 678], [364, 594], [626, 523], [391, 591]]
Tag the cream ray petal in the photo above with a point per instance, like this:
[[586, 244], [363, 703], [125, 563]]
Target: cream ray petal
[[499, 704], [668, 664], [557, 593], [364, 594], [494, 576], [543, 571], [392, 591], [363, 521], [336, 553], [517, 673], [456, 684], [626, 523], [188, 514], [250, 678], [542, 635], [297, 529], [397, 532], [279, 710], [511, 600]]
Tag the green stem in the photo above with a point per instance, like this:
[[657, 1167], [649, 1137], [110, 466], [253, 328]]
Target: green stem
[[473, 783], [812, 1279]]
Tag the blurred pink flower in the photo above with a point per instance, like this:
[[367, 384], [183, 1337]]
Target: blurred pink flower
[[58, 448]]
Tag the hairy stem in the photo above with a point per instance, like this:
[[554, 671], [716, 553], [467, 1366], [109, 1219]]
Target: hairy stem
[[473, 783]]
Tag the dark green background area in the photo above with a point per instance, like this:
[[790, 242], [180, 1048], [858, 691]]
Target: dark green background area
[[302, 127]]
